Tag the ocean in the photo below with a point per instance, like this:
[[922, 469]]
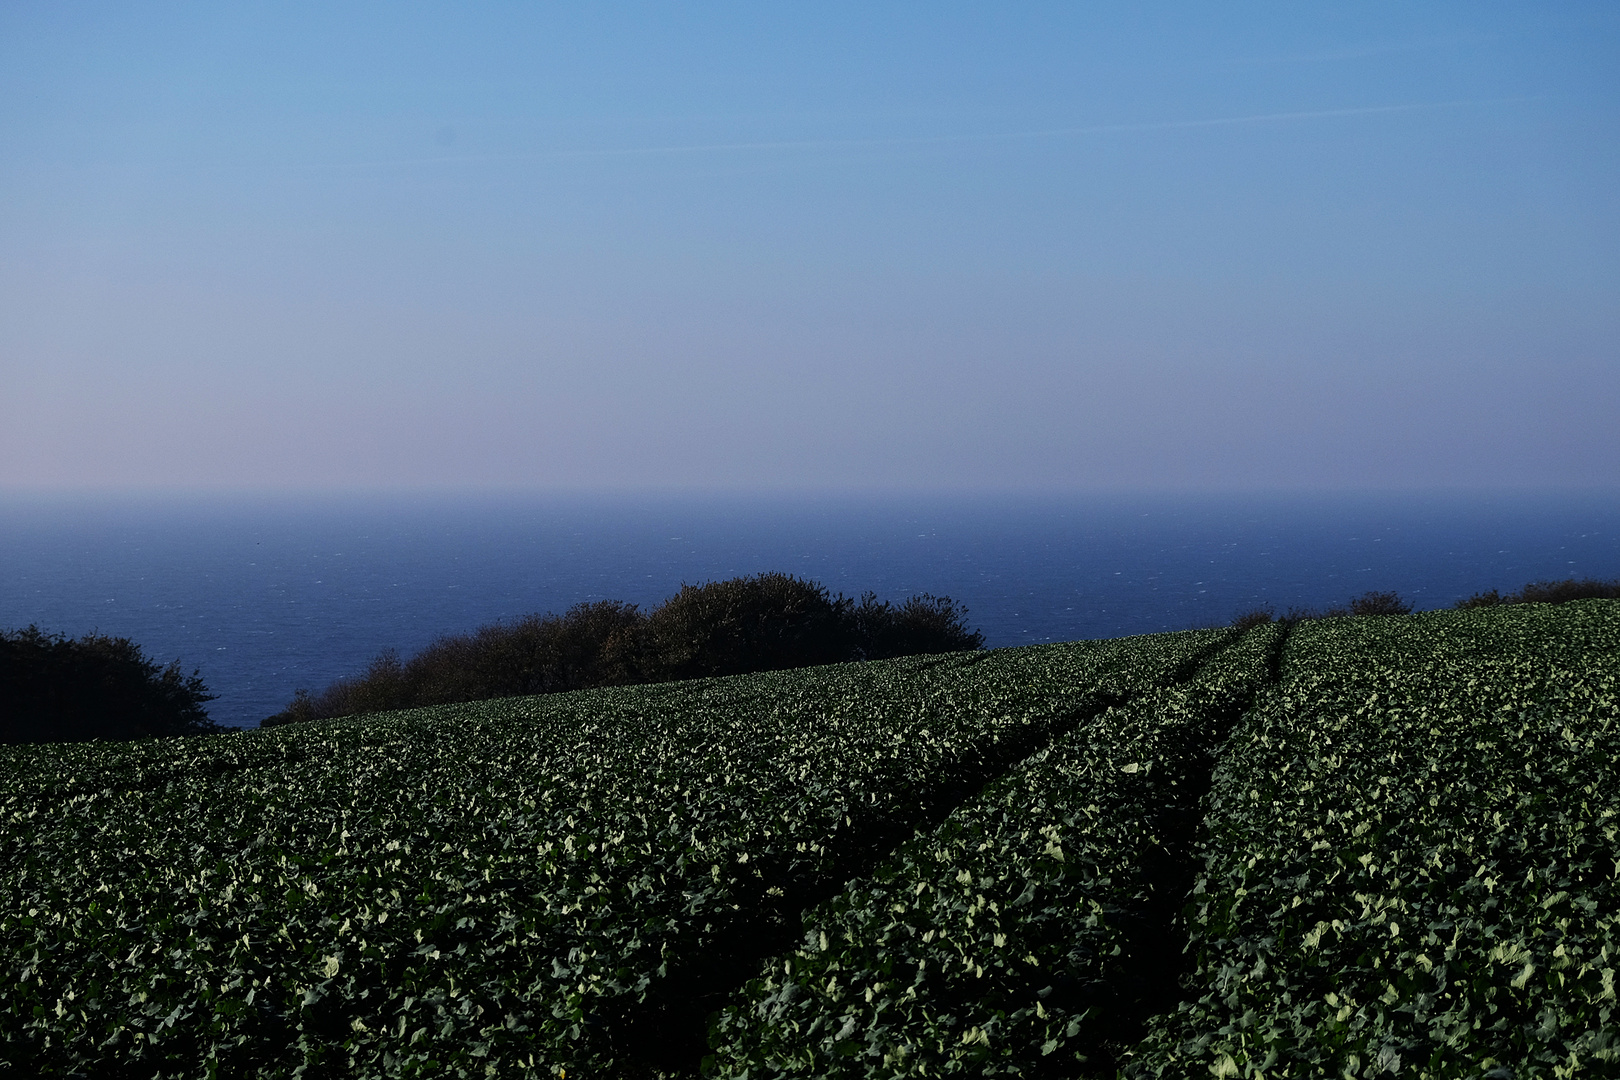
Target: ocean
[[264, 595]]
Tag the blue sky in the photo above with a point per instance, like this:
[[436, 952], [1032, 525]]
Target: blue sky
[[809, 246]]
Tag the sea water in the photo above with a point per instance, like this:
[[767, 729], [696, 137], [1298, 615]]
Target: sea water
[[264, 595]]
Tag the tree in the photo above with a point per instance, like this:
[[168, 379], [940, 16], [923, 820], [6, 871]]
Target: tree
[[922, 624], [59, 689], [762, 623], [1379, 603]]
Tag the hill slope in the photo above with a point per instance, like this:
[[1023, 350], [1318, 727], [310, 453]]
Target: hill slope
[[973, 864]]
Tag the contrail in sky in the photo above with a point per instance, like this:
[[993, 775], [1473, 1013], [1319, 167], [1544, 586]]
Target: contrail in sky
[[932, 140]]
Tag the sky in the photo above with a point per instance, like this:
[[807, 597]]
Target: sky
[[831, 246]]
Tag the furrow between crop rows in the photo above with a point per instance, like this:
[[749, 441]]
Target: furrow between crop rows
[[670, 1038], [1030, 932], [1389, 845], [1411, 865], [536, 885]]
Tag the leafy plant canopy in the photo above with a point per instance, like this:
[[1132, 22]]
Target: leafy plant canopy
[[1360, 846]]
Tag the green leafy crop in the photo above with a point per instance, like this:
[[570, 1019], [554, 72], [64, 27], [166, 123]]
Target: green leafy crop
[[1412, 866], [527, 886], [1382, 846], [1010, 939]]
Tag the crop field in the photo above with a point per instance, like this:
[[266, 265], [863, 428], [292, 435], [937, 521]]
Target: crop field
[[1411, 857], [539, 885], [1365, 847], [1017, 934]]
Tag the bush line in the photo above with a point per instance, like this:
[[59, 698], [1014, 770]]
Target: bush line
[[767, 622]]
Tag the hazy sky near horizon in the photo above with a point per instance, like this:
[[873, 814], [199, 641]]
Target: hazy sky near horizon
[[1044, 246]]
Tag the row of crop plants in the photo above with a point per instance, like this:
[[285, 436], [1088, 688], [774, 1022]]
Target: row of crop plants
[[1412, 858], [558, 885], [1030, 932]]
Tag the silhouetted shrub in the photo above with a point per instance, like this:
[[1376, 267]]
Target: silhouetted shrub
[[381, 688], [303, 706], [1562, 592], [927, 624], [1249, 619], [1547, 592], [1299, 614], [923, 624], [760, 623], [773, 621], [59, 689], [600, 644], [1379, 603], [1368, 603]]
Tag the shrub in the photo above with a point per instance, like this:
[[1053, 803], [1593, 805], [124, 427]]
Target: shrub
[[600, 644], [1379, 603], [1368, 603], [1247, 620], [922, 624], [1547, 592], [774, 621], [304, 706], [1562, 592], [762, 623], [747, 624], [381, 688], [59, 689]]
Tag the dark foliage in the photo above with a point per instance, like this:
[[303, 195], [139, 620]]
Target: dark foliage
[[1548, 592], [591, 645], [1389, 603], [762, 623], [59, 689], [601, 644], [1368, 603], [1247, 620], [1379, 603], [773, 621], [923, 624]]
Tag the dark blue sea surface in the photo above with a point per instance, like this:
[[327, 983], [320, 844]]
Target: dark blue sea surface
[[268, 594]]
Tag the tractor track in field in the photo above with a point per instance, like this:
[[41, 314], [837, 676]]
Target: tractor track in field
[[666, 1037], [1160, 937]]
